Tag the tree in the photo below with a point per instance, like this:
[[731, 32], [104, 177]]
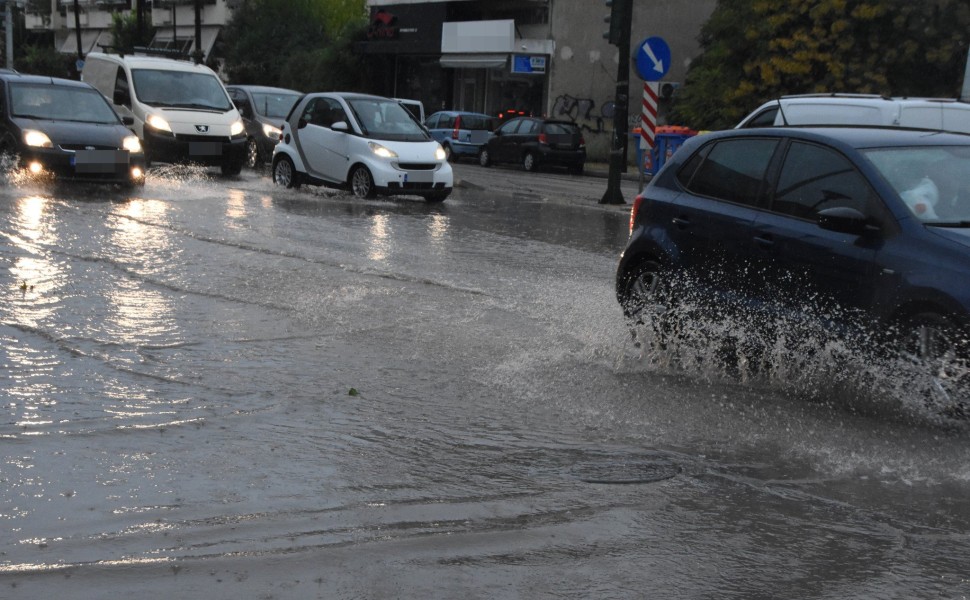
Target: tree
[[754, 50], [303, 44], [124, 31]]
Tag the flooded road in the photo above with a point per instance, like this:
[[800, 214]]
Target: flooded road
[[218, 388]]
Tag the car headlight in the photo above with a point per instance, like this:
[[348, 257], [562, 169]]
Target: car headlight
[[38, 139], [381, 151], [237, 128], [272, 132], [439, 153], [132, 144], [159, 123]]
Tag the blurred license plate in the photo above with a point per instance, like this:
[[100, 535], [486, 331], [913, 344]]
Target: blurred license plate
[[420, 176], [99, 161], [205, 148]]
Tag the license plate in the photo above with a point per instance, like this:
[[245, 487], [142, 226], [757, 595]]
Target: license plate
[[419, 177], [205, 148], [99, 161]]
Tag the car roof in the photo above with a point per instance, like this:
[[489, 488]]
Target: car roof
[[857, 137], [262, 88], [42, 79], [461, 112], [136, 61]]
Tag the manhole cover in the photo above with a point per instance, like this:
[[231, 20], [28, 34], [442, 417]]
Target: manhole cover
[[625, 473]]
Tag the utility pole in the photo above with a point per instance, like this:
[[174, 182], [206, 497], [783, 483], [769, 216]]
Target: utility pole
[[198, 55], [77, 32], [8, 31], [621, 14]]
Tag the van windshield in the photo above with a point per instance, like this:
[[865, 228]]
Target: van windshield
[[179, 89], [60, 103], [387, 120]]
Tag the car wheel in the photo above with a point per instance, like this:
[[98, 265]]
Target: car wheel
[[362, 183], [643, 291], [529, 161], [939, 347], [928, 337], [450, 156], [284, 173], [484, 158], [252, 154], [437, 197]]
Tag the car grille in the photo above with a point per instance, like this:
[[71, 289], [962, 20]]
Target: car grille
[[76, 147], [417, 166]]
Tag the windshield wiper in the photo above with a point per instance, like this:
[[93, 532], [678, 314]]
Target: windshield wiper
[[34, 117], [951, 224]]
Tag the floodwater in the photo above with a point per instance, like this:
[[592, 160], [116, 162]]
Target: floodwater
[[218, 388]]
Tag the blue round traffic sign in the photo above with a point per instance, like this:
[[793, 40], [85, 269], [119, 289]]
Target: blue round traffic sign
[[652, 59]]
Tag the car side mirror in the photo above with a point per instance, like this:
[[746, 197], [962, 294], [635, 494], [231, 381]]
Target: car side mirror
[[129, 121], [340, 126], [302, 123], [122, 98], [843, 219]]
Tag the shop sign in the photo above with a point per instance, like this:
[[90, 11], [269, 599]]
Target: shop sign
[[530, 65]]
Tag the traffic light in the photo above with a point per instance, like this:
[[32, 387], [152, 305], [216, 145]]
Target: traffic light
[[618, 20]]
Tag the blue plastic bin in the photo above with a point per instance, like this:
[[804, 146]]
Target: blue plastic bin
[[665, 145]]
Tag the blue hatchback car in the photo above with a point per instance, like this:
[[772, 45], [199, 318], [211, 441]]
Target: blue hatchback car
[[839, 221], [460, 133]]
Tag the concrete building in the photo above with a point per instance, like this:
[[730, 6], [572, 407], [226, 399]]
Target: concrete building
[[172, 21], [506, 57]]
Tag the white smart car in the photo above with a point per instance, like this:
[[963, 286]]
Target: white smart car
[[368, 144]]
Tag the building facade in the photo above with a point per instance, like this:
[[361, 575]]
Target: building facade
[[510, 57], [172, 22]]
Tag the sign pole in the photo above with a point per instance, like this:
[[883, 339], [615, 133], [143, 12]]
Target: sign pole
[[648, 126], [614, 195]]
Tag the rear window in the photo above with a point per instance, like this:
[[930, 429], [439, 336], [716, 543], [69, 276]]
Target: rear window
[[561, 128], [734, 170], [476, 122]]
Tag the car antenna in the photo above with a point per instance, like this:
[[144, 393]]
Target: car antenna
[[781, 111]]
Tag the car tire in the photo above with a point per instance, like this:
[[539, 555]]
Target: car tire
[[529, 162], [928, 337], [284, 173], [940, 348], [450, 155], [642, 287], [437, 197], [362, 182], [253, 158], [484, 158]]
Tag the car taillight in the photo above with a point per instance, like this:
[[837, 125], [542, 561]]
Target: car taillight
[[633, 211], [454, 132], [582, 142], [543, 139]]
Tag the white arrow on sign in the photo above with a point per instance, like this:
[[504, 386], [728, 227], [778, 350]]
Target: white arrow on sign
[[658, 65]]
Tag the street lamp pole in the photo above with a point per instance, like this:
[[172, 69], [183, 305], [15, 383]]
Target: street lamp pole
[[77, 30], [198, 55], [620, 36]]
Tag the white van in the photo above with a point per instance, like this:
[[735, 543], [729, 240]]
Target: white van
[[181, 110], [862, 109]]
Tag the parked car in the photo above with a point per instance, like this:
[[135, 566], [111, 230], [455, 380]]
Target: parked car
[[263, 110], [862, 109], [460, 133], [533, 142], [66, 129], [368, 144], [181, 110], [846, 223]]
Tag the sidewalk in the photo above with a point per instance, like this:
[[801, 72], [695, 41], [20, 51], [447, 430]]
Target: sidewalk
[[598, 169]]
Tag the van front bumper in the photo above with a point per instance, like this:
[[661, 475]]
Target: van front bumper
[[208, 150]]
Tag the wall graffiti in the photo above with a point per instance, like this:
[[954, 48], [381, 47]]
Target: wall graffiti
[[580, 110]]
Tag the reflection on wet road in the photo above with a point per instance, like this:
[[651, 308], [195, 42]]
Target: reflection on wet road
[[220, 388]]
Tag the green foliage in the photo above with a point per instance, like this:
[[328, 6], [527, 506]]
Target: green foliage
[[44, 60], [301, 44], [124, 31], [755, 50]]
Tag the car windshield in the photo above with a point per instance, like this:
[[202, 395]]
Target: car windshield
[[387, 120], [60, 103], [933, 181], [275, 105], [179, 89]]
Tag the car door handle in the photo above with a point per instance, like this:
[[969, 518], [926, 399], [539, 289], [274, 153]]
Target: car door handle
[[681, 222], [764, 241]]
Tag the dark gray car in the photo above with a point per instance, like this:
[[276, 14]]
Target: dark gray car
[[263, 109]]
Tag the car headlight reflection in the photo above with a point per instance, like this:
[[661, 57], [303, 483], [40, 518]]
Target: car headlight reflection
[[37, 139], [132, 144], [439, 153], [159, 123], [272, 132], [382, 151]]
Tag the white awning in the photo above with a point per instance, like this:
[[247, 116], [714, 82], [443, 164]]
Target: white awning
[[165, 34], [88, 39], [474, 61]]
